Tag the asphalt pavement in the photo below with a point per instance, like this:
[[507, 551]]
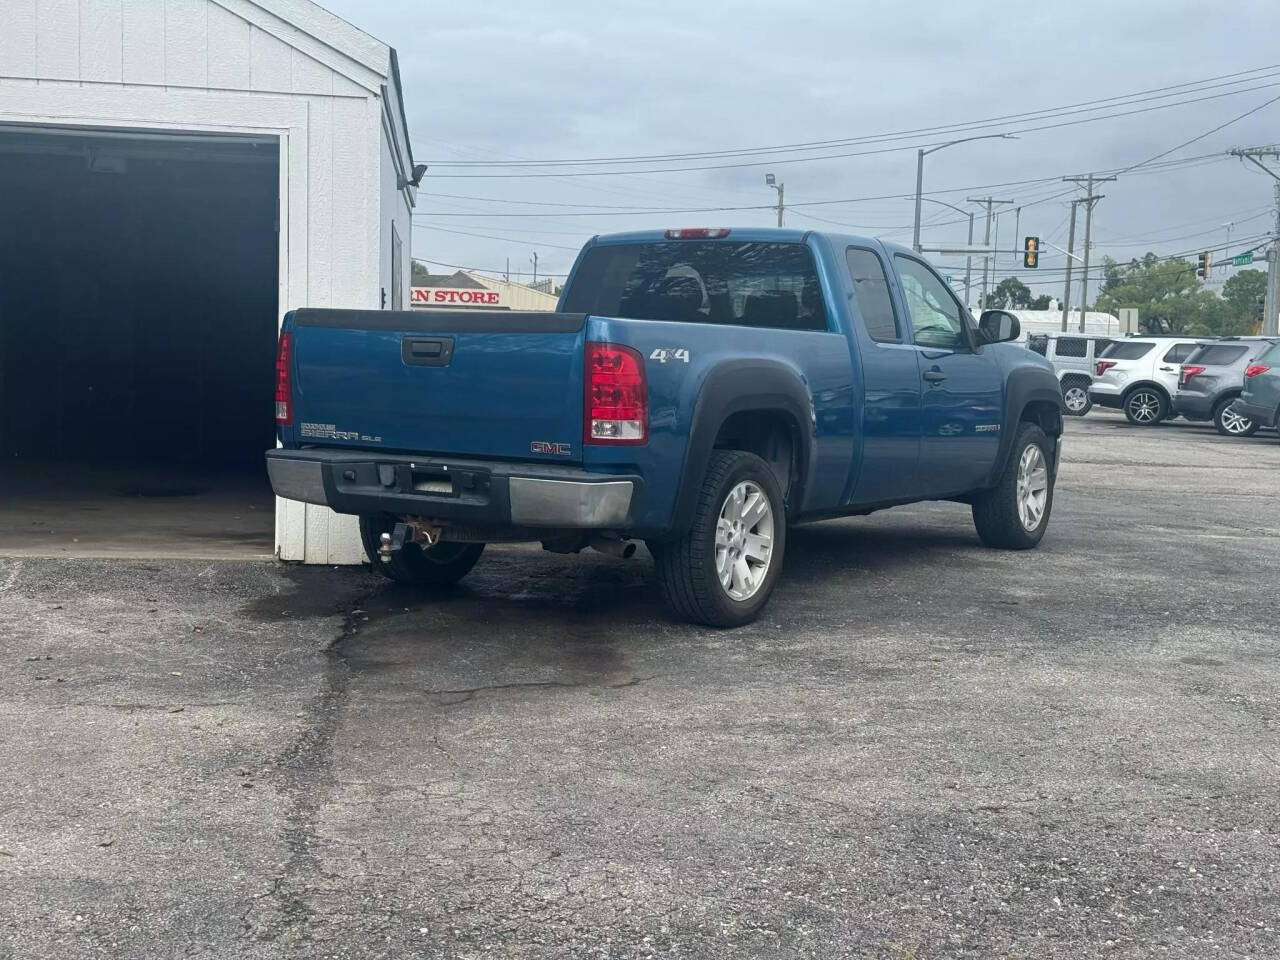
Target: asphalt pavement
[[923, 749]]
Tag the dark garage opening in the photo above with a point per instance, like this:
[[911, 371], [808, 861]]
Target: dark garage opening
[[138, 288]]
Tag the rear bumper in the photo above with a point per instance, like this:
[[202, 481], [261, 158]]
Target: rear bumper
[[1104, 398], [1193, 406], [472, 493]]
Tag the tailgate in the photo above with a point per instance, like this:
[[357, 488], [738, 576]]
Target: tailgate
[[480, 383]]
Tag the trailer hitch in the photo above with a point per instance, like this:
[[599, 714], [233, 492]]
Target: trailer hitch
[[412, 531]]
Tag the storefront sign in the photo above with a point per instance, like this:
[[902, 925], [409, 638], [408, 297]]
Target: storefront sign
[[454, 297]]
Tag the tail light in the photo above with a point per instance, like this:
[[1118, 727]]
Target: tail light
[[616, 406], [698, 233], [1190, 370], [1104, 366], [1253, 369], [284, 380]]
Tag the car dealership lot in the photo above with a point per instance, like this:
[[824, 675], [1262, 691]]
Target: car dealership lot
[[923, 748]]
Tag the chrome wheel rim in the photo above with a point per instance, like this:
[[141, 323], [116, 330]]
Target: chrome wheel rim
[[1234, 423], [1075, 399], [1033, 487], [744, 540], [1144, 407]]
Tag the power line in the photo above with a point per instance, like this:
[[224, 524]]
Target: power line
[[1162, 92], [840, 156]]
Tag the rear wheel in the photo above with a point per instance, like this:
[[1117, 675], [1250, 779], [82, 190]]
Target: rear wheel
[[723, 570], [1015, 515], [1075, 397], [1145, 406], [442, 564], [1232, 424]]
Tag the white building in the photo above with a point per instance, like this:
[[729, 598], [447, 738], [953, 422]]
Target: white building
[[176, 175]]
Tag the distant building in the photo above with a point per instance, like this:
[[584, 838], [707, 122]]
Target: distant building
[[462, 290], [1050, 321]]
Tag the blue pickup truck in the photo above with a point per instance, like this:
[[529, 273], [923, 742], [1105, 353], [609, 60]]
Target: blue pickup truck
[[697, 389]]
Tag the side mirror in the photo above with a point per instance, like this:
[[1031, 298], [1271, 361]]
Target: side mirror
[[999, 326]]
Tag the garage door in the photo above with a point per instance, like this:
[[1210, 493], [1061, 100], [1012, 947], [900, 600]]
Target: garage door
[[137, 327]]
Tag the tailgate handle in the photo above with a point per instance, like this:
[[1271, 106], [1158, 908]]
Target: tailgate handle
[[427, 351]]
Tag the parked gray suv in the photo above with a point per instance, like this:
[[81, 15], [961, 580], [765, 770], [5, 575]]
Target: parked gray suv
[[1212, 378]]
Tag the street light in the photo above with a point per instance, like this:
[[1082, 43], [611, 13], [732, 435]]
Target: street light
[[772, 181], [922, 153]]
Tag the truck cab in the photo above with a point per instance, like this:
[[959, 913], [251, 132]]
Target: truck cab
[[699, 390]]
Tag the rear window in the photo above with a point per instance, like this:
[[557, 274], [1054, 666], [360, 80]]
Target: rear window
[[1218, 355], [1039, 343], [1072, 347], [1126, 350], [1272, 355], [1099, 346], [701, 281]]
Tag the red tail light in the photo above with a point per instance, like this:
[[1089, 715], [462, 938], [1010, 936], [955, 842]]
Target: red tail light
[[698, 233], [616, 406], [1104, 366], [1190, 370], [284, 380], [1256, 368]]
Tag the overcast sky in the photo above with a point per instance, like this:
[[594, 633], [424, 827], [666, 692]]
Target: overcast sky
[[571, 79]]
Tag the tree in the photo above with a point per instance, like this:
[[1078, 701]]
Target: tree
[[1243, 292], [1040, 303], [1170, 299], [1009, 294], [419, 274]]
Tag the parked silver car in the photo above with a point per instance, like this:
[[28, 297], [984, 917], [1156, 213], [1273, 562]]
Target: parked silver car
[[1073, 356]]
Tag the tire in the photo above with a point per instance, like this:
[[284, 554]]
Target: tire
[[1075, 397], [440, 565], [688, 570], [1230, 424], [1146, 406], [997, 514]]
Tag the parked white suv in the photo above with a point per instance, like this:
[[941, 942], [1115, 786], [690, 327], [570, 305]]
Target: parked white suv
[[1139, 375]]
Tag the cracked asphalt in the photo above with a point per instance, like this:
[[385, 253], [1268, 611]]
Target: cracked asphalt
[[923, 749]]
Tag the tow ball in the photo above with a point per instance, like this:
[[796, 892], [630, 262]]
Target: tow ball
[[421, 534]]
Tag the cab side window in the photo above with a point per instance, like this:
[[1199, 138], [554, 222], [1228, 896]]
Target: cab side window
[[1179, 352], [936, 319], [871, 293]]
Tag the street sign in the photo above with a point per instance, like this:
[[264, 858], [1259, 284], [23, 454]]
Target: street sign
[[1242, 260]]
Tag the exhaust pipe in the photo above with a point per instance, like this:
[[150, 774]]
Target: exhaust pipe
[[613, 547]]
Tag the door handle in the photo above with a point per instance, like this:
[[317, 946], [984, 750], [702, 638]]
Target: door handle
[[934, 376], [1168, 369]]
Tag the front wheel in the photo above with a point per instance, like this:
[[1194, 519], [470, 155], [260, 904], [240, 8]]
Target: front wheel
[[1145, 407], [723, 570], [438, 565], [1232, 424], [1075, 397], [1015, 514]]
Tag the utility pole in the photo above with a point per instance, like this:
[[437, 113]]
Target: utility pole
[[1271, 305], [1071, 255], [1090, 201], [772, 181], [989, 203], [534, 258]]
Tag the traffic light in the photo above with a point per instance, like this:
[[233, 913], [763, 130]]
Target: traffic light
[[1031, 252], [1202, 271]]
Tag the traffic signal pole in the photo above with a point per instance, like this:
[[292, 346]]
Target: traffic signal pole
[[1271, 305]]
